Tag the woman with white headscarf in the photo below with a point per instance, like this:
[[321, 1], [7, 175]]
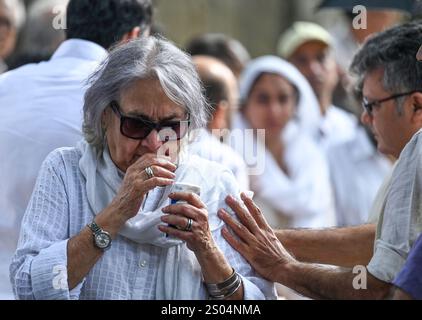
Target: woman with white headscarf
[[294, 187]]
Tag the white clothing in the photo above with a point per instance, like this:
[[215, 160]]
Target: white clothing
[[208, 147], [357, 171], [40, 110], [60, 208], [336, 127]]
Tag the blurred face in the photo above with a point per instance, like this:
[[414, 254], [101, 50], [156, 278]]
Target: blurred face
[[146, 100], [271, 104], [315, 61], [391, 130], [8, 32], [377, 21]]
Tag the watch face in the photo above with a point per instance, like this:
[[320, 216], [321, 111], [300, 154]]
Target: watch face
[[102, 240]]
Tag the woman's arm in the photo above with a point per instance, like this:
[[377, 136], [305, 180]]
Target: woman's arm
[[81, 251]]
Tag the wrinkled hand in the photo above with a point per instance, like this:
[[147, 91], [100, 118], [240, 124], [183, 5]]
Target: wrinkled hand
[[136, 183], [199, 239], [257, 242]]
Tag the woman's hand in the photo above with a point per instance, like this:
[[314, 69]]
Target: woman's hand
[[215, 268], [137, 183], [198, 238]]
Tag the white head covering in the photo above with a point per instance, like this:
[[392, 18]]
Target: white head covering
[[308, 111]]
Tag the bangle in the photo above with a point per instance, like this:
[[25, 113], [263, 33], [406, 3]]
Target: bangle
[[225, 289]]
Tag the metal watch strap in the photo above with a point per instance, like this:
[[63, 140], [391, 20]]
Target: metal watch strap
[[95, 228]]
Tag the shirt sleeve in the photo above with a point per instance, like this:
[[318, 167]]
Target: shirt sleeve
[[39, 266], [410, 277], [255, 287], [401, 223]]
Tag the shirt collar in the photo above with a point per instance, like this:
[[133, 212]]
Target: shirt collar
[[81, 49]]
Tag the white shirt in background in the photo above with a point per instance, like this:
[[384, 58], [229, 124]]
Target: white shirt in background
[[302, 199], [336, 127], [210, 148], [40, 110], [357, 171]]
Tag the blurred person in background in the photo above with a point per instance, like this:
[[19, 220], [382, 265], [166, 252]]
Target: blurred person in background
[[222, 47], [41, 104], [308, 46], [221, 92], [356, 167], [294, 186], [39, 37], [12, 18]]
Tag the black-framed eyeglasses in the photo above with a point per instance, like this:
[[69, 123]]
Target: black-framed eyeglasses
[[369, 106], [138, 128]]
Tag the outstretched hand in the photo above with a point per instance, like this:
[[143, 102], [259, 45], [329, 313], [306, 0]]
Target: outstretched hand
[[256, 241]]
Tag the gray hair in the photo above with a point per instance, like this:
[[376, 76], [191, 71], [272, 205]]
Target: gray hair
[[146, 58], [393, 50]]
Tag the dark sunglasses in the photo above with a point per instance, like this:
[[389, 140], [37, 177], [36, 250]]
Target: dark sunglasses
[[138, 128], [369, 106]]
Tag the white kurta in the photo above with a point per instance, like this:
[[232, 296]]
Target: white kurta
[[208, 147], [59, 209], [303, 198], [40, 110], [358, 169]]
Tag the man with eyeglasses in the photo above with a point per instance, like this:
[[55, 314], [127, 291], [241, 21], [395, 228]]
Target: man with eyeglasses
[[391, 81], [41, 105]]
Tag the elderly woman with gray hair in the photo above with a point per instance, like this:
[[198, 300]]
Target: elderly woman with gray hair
[[103, 222]]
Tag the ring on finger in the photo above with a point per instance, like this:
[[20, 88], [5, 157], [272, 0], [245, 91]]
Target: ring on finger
[[149, 172], [188, 227]]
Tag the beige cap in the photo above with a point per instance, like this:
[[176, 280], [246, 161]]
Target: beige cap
[[300, 33]]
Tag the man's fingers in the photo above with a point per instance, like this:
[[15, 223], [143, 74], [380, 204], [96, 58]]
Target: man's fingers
[[240, 230], [244, 215], [255, 212], [236, 244]]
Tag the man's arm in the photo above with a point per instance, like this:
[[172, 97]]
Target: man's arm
[[325, 282], [257, 242], [346, 247]]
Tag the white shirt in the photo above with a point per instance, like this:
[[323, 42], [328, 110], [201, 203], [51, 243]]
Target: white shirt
[[336, 127], [40, 110], [400, 222], [208, 147], [59, 209], [357, 171], [304, 196]]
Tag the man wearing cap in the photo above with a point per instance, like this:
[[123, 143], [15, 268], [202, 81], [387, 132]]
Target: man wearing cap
[[308, 47], [355, 165]]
